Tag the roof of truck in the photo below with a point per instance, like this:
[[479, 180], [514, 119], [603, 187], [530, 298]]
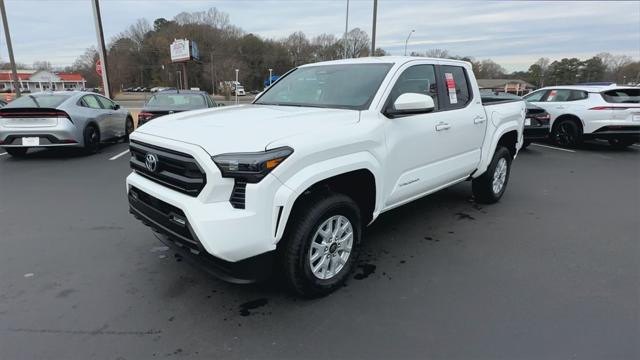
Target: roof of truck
[[382, 60]]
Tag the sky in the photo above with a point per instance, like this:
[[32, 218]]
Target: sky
[[513, 33]]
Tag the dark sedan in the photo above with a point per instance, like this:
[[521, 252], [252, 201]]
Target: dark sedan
[[536, 125], [174, 101], [536, 122]]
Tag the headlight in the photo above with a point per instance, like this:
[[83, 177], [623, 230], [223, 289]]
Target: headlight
[[251, 167]]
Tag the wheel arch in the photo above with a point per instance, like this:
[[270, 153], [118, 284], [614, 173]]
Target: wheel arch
[[568, 116], [355, 179]]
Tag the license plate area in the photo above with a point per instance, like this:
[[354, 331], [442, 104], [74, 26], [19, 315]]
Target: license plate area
[[30, 141]]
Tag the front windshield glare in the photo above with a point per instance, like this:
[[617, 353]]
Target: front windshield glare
[[351, 86]]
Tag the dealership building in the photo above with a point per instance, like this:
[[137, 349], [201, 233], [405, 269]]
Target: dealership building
[[41, 80]]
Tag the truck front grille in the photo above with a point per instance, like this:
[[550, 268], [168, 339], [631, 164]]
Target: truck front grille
[[173, 169]]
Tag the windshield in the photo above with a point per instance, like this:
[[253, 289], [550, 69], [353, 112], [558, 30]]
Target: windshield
[[38, 101], [350, 86], [188, 101]]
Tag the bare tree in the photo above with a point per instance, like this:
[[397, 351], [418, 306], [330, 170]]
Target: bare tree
[[299, 48], [136, 32], [42, 65], [357, 43], [490, 70], [615, 64], [437, 53], [326, 47], [543, 68]]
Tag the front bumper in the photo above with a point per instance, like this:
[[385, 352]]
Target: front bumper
[[173, 229]]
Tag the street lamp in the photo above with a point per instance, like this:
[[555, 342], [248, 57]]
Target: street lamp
[[407, 42], [270, 76], [236, 87]]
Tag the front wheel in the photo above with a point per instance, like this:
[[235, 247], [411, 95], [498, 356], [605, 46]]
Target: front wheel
[[128, 128], [490, 186], [320, 246], [567, 133]]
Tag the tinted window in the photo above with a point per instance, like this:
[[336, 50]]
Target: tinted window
[[187, 101], [558, 95], [419, 79], [535, 96], [106, 103], [350, 86], [622, 96], [457, 92], [90, 101], [38, 101]]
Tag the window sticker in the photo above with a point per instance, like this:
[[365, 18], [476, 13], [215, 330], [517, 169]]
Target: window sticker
[[552, 94], [451, 88]]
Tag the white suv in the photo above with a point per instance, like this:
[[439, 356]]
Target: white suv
[[591, 112], [295, 176]]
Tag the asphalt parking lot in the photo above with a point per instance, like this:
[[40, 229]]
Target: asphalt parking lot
[[550, 272]]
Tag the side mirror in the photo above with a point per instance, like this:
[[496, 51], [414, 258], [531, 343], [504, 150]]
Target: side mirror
[[116, 107], [412, 103]]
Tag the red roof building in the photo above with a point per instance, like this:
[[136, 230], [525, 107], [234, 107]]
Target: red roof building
[[41, 80]]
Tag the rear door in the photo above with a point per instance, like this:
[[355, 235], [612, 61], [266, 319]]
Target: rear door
[[559, 102]]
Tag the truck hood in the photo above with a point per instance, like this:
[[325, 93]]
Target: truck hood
[[246, 128]]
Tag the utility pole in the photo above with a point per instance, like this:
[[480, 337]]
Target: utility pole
[[346, 30], [373, 31], [213, 82], [102, 49], [14, 72]]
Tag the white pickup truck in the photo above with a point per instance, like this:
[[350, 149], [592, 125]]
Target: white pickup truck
[[292, 179]]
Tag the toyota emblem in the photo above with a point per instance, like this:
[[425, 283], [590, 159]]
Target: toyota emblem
[[151, 162]]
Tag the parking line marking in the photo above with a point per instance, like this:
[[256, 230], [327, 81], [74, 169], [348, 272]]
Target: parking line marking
[[4, 153], [553, 147], [119, 155]]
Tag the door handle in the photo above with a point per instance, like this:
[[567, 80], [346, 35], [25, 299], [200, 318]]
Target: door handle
[[478, 120], [443, 126], [559, 107]]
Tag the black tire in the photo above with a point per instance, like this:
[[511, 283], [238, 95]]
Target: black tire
[[17, 152], [91, 139], [621, 143], [129, 126], [295, 253], [567, 133], [525, 144], [483, 186]]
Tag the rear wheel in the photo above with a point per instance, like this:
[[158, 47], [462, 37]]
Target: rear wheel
[[621, 143], [17, 152], [567, 133], [91, 139], [320, 245], [490, 186]]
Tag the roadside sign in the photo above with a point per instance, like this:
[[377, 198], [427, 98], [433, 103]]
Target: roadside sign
[[99, 67], [180, 50]]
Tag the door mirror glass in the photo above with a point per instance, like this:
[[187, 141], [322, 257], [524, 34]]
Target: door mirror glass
[[412, 103], [116, 107]]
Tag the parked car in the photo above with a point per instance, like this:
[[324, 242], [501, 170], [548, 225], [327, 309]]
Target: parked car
[[172, 101], [239, 90], [536, 122], [54, 119], [296, 175], [591, 112]]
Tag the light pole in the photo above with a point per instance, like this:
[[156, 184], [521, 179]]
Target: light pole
[[373, 30], [346, 30], [14, 72], [236, 87], [102, 49], [270, 76], [407, 42]]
